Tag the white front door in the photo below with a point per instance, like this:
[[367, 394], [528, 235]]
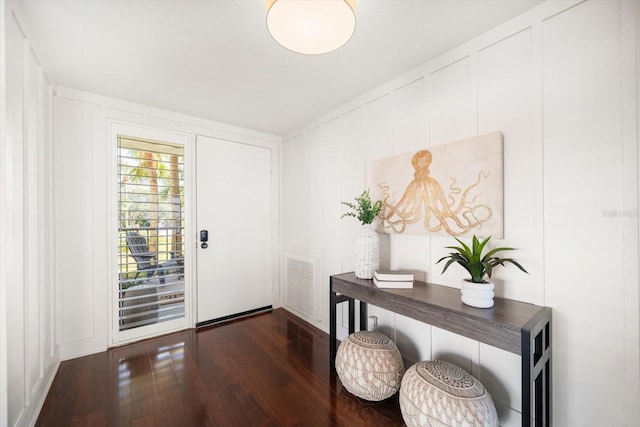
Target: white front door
[[234, 210]]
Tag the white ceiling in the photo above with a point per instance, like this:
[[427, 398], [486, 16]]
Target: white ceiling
[[215, 59]]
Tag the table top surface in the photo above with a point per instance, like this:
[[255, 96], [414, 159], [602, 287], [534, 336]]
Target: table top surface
[[441, 306]]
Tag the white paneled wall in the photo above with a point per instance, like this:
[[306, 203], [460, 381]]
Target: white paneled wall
[[583, 158], [508, 100], [81, 205], [560, 82], [28, 351]]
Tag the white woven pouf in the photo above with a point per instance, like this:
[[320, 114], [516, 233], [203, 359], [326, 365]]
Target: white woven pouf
[[369, 365], [438, 393]]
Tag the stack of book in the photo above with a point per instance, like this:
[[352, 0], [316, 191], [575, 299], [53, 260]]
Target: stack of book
[[394, 279]]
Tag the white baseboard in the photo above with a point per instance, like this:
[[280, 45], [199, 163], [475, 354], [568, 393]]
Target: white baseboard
[[30, 413]]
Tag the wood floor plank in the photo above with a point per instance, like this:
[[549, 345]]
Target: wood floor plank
[[267, 370]]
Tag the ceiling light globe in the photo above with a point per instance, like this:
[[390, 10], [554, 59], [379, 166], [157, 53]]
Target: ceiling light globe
[[311, 27]]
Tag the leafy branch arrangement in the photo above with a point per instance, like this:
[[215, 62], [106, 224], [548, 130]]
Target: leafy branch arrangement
[[472, 260], [363, 209]]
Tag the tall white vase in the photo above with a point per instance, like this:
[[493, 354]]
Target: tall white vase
[[367, 252]]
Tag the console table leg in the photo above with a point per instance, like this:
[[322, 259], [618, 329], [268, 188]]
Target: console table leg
[[352, 315], [334, 300], [536, 371], [363, 316], [332, 331]]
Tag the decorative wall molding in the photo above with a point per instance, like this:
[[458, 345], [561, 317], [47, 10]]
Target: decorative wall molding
[[570, 147]]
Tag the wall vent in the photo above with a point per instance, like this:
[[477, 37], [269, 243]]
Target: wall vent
[[301, 285]]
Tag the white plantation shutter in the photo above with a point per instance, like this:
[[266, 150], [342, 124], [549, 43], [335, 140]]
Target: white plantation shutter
[[150, 232]]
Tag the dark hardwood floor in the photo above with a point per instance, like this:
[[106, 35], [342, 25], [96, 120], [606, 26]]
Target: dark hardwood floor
[[271, 369]]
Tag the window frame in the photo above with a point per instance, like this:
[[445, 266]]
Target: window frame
[[142, 132]]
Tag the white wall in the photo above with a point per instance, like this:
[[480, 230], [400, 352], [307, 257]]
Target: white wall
[[561, 83], [28, 352], [85, 188]]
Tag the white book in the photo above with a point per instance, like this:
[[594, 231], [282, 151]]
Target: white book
[[393, 284], [394, 275]]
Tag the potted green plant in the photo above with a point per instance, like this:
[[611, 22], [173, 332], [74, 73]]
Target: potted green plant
[[478, 291], [368, 244], [364, 209]]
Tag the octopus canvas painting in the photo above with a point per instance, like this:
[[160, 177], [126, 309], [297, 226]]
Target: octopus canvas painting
[[451, 189]]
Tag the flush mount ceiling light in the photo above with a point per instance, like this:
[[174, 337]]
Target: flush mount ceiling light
[[311, 27]]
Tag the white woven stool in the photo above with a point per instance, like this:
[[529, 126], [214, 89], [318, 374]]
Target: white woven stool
[[369, 365], [438, 393]]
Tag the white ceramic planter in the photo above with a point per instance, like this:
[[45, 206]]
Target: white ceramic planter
[[479, 295], [367, 252]]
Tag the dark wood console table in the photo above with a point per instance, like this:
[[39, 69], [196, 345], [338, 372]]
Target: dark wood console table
[[517, 327]]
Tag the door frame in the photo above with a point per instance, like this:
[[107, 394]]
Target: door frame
[[115, 128]]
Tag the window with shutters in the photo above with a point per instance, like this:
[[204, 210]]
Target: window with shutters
[[150, 232]]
